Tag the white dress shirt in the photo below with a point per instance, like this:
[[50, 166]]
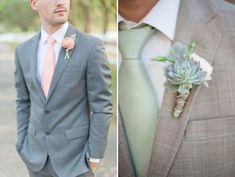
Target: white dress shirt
[[163, 17], [58, 36], [42, 47]]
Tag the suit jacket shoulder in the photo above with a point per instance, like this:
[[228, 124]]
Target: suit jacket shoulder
[[225, 15], [26, 48], [88, 40], [225, 7], [24, 45], [221, 12]]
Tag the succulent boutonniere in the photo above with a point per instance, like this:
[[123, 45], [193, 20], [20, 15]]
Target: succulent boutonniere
[[68, 44], [183, 70]]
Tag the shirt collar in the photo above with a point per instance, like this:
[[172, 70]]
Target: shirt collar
[[58, 35], [163, 16]]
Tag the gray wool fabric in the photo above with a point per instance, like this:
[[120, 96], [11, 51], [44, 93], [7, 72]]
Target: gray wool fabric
[[73, 122]]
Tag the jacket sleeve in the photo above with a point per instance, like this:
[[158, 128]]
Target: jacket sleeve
[[22, 103], [98, 79]]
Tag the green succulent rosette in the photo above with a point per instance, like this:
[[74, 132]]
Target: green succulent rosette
[[182, 73]]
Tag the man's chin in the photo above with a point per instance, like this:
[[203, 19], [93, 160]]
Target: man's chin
[[59, 22]]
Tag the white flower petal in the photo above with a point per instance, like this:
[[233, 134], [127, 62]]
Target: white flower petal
[[204, 65]]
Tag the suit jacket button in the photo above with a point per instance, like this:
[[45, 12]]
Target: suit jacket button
[[47, 133], [47, 112]]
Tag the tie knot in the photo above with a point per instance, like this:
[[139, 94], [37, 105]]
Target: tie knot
[[132, 41], [50, 40]]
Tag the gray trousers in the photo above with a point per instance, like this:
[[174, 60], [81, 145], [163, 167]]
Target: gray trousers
[[48, 171]]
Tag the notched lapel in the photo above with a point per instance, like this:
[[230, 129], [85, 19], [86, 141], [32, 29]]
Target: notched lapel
[[170, 131], [33, 64], [62, 63]]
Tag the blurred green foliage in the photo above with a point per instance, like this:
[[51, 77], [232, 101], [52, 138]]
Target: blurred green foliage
[[96, 16]]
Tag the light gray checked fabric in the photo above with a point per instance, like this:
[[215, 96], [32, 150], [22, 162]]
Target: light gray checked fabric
[[202, 142], [125, 165]]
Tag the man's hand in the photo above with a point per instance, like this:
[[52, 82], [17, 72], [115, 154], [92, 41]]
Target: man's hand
[[93, 165]]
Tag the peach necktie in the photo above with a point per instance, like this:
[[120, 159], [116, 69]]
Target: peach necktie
[[48, 66]]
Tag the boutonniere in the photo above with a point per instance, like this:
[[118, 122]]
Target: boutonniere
[[183, 70], [68, 44]]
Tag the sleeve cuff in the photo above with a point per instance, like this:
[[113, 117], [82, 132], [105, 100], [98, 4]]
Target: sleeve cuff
[[94, 160]]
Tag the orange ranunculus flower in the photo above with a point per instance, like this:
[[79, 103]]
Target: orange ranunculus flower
[[68, 43]]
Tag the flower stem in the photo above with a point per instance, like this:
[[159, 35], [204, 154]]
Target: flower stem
[[180, 103], [67, 54], [163, 59]]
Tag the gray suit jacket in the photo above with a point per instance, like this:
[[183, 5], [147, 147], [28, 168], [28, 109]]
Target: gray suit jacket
[[202, 142], [74, 119]]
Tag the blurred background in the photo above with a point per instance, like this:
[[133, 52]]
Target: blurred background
[[232, 1], [17, 24]]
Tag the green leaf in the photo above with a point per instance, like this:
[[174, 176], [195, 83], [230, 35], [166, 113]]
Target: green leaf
[[183, 90], [163, 59], [171, 87], [206, 84], [191, 48]]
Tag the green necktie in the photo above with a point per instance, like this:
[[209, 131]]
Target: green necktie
[[137, 98]]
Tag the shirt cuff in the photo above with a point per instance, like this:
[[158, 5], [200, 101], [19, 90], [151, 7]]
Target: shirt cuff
[[94, 160]]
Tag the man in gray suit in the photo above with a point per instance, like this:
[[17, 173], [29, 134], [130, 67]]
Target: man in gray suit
[[64, 96], [201, 143]]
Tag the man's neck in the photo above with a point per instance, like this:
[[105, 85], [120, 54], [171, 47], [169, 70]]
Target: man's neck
[[50, 29], [135, 10]]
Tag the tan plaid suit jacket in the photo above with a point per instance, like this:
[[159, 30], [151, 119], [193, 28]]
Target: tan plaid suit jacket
[[202, 142]]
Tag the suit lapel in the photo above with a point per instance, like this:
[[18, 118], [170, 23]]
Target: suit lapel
[[170, 131], [126, 168], [33, 65], [61, 63]]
